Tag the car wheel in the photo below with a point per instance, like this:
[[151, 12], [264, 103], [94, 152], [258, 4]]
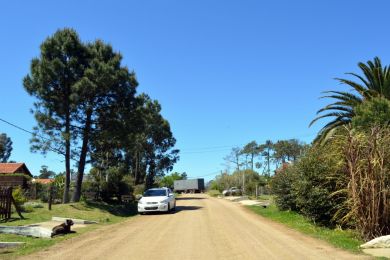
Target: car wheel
[[174, 206], [169, 209]]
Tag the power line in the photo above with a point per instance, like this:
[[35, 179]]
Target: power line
[[211, 149], [58, 151], [207, 175]]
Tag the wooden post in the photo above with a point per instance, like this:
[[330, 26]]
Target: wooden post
[[257, 191], [9, 199], [50, 196]]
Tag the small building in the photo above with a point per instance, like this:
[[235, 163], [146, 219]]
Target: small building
[[14, 174], [43, 181]]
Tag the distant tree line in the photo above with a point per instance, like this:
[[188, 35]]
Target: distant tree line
[[254, 164]]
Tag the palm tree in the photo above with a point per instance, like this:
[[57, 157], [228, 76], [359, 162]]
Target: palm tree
[[375, 82]]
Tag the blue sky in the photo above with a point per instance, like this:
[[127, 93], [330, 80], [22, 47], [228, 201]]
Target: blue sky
[[225, 72]]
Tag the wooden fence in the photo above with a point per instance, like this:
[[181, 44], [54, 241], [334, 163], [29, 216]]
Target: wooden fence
[[5, 202]]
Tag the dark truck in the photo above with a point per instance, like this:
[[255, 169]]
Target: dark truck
[[189, 186]]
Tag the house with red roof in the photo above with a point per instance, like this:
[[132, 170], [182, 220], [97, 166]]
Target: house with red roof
[[14, 168], [14, 174], [43, 181]]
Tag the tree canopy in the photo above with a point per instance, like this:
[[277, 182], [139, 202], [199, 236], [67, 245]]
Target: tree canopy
[[5, 147], [375, 82], [86, 109]]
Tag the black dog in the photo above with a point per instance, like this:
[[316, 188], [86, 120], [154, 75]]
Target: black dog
[[62, 229]]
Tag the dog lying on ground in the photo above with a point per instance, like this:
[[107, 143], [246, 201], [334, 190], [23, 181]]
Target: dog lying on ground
[[62, 229]]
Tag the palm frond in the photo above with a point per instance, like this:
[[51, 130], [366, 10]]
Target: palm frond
[[338, 115], [357, 87], [329, 129], [336, 107]]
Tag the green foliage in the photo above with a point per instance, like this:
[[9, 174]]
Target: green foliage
[[45, 173], [214, 193], [282, 184], [367, 156], [5, 147], [168, 180], [116, 183], [287, 150], [311, 186], [85, 85], [58, 186], [19, 196], [53, 82], [375, 82], [317, 179], [42, 192], [104, 213], [345, 239], [246, 179], [139, 189], [252, 150], [375, 112]]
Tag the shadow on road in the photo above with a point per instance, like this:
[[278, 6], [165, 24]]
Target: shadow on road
[[190, 198], [184, 208], [177, 210]]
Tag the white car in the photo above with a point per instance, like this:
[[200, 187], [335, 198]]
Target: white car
[[157, 200], [232, 191]]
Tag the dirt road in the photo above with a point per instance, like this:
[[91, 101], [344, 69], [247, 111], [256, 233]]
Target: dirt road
[[202, 228]]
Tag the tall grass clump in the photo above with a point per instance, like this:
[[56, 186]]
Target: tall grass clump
[[367, 156]]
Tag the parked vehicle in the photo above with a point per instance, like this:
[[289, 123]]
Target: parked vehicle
[[189, 186], [157, 200], [234, 191]]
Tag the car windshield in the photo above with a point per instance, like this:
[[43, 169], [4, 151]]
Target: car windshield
[[153, 193]]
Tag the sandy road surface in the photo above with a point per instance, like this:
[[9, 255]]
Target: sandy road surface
[[202, 228]]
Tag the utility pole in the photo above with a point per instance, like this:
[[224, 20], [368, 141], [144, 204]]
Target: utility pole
[[243, 182]]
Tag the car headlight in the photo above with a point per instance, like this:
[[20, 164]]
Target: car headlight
[[164, 202], [140, 202]]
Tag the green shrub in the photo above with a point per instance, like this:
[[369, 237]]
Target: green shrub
[[139, 189], [318, 176], [214, 193], [118, 183], [282, 186], [374, 112], [19, 197], [27, 208]]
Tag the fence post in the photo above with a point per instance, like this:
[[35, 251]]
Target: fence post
[[9, 197], [50, 196]]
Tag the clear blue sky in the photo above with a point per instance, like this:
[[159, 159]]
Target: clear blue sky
[[225, 72]]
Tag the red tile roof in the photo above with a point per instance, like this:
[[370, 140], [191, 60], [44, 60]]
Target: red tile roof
[[10, 168], [43, 181]]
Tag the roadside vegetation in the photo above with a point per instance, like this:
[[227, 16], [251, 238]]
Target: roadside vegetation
[[340, 182], [88, 110], [101, 212], [345, 239], [250, 168]]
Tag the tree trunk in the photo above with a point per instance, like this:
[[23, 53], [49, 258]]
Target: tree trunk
[[83, 156], [150, 176], [268, 162], [65, 198], [252, 161]]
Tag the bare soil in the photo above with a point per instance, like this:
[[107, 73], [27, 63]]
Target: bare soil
[[201, 228]]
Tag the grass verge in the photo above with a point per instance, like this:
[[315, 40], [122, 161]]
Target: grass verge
[[344, 239], [214, 193], [102, 212]]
